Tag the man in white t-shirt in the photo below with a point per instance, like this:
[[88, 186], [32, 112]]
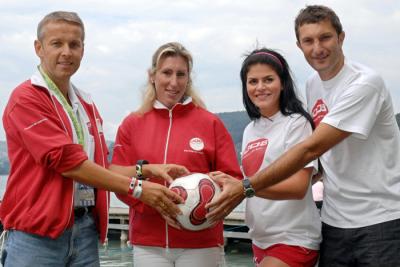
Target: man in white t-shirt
[[358, 142]]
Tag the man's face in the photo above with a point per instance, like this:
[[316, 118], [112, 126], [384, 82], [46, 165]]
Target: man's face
[[60, 50], [322, 48]]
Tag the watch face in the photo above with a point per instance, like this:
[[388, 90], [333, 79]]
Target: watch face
[[248, 190]]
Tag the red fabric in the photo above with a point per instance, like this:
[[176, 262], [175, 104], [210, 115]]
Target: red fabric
[[294, 256], [38, 199], [199, 141]]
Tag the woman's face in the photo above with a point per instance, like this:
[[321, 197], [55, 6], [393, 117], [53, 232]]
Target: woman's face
[[171, 80], [264, 88]]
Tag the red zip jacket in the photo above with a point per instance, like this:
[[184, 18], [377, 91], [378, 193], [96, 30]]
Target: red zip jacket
[[186, 135], [38, 199]]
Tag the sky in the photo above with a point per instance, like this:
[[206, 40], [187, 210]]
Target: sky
[[122, 35]]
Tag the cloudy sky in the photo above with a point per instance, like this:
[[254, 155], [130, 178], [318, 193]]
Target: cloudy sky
[[121, 36]]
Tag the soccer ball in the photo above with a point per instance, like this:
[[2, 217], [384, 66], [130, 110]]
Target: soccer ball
[[197, 190]]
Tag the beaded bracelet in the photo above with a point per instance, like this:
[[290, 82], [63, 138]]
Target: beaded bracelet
[[137, 191], [132, 185]]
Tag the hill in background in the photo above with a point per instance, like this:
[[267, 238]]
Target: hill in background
[[235, 122]]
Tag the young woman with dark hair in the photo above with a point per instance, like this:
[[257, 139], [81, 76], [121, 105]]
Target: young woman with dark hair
[[283, 220]]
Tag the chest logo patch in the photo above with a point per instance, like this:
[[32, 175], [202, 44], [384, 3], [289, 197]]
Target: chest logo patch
[[253, 156], [196, 144], [319, 111]]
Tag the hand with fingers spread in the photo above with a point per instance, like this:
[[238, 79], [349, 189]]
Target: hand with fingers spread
[[166, 171], [230, 197]]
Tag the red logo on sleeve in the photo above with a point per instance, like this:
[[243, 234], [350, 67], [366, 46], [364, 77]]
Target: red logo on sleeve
[[319, 111], [253, 156]]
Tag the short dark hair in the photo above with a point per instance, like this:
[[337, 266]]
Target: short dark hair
[[289, 103], [314, 14]]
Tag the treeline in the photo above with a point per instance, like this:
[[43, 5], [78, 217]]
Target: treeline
[[235, 122]]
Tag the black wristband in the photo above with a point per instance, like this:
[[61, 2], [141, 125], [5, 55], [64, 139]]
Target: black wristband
[[139, 171]]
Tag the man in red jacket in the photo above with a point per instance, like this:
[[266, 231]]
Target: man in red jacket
[[55, 207]]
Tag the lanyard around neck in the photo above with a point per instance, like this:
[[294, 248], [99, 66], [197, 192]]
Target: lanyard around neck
[[77, 125]]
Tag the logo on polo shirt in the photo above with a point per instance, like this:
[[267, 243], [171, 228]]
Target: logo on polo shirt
[[253, 156], [319, 111], [196, 144]]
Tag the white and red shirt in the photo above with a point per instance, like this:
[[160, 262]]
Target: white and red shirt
[[292, 222], [361, 173]]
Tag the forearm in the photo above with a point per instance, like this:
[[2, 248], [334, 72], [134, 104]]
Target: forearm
[[323, 138], [129, 171], [99, 177], [295, 187], [285, 166]]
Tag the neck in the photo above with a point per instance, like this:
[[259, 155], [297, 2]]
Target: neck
[[332, 72], [63, 87]]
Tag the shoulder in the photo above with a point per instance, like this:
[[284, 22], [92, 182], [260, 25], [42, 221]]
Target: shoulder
[[27, 93], [361, 75], [297, 121], [204, 115]]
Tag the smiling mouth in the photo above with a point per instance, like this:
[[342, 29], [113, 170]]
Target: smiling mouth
[[172, 93]]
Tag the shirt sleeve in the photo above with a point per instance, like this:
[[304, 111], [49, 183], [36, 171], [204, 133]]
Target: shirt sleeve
[[42, 133], [356, 110], [122, 156]]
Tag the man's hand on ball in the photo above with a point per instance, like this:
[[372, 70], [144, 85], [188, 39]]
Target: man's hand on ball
[[161, 198]]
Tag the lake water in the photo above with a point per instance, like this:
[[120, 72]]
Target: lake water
[[117, 253]]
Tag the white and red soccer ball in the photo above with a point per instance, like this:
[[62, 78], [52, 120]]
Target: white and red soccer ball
[[197, 190]]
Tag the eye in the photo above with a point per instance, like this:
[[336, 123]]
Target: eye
[[56, 43], [306, 41], [325, 37], [252, 81], [75, 45], [181, 74], [167, 72]]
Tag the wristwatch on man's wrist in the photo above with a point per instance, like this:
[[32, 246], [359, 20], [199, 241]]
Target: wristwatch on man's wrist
[[248, 190], [139, 170]]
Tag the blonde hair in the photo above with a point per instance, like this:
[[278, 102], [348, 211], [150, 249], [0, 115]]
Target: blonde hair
[[70, 17], [171, 49]]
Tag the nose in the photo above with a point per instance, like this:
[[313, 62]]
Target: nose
[[260, 85], [174, 80], [317, 48], [66, 50]]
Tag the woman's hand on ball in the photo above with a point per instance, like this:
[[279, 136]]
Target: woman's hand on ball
[[166, 171]]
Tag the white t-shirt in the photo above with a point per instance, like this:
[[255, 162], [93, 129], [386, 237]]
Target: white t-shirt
[[292, 222], [361, 173]]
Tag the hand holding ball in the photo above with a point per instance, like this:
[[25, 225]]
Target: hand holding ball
[[197, 190]]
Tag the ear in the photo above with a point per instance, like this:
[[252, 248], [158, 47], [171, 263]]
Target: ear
[[83, 49], [341, 38], [298, 45], [151, 76], [38, 48]]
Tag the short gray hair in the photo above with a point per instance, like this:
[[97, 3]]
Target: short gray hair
[[70, 17]]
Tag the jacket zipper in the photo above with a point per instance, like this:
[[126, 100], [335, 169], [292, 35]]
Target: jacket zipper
[[165, 161]]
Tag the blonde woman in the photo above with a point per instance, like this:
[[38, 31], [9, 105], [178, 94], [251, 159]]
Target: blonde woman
[[172, 125]]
